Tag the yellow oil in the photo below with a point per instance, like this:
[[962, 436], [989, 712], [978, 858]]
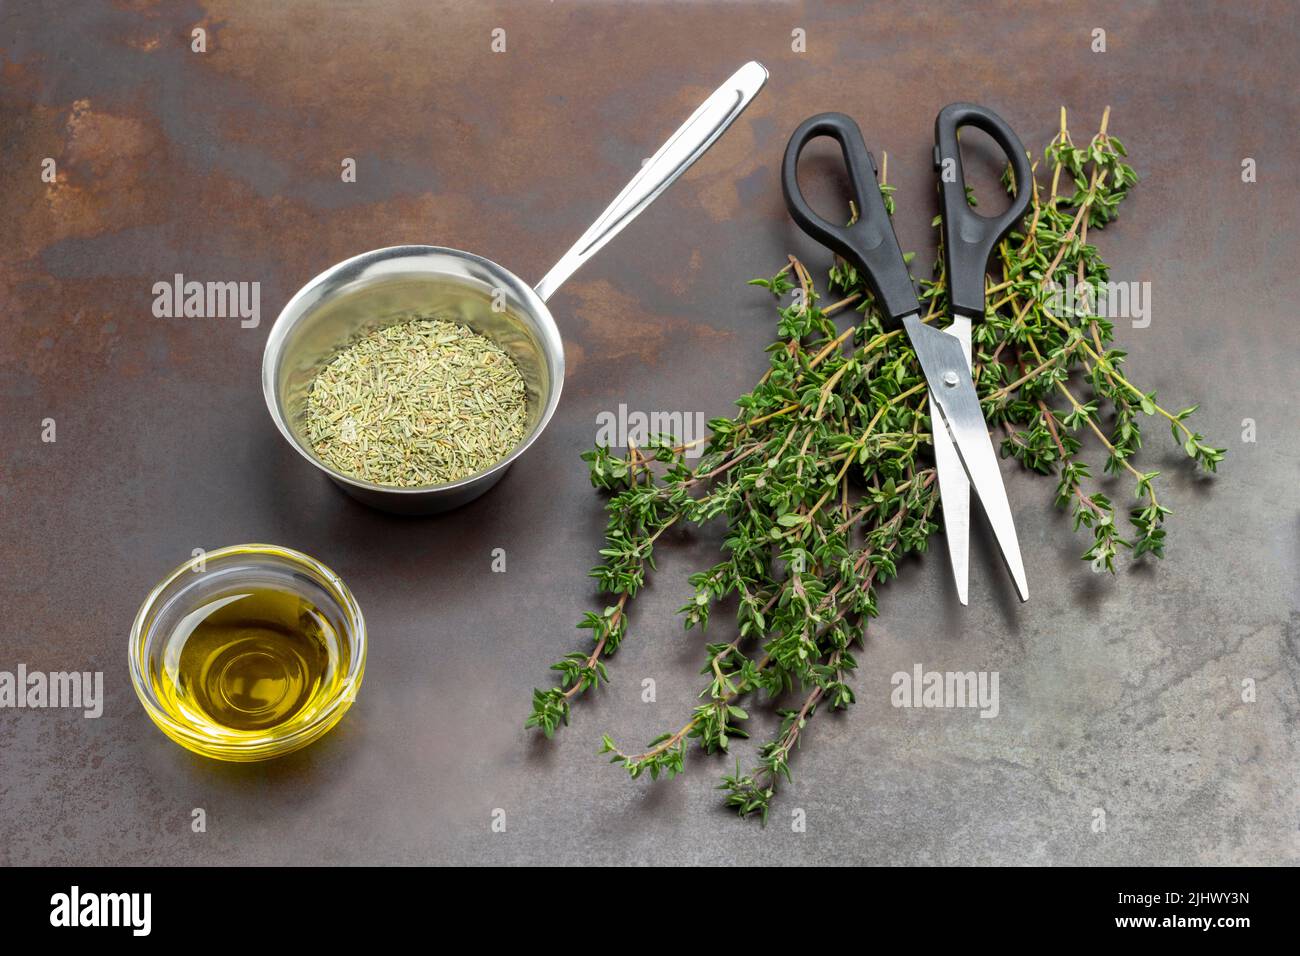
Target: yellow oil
[[256, 661]]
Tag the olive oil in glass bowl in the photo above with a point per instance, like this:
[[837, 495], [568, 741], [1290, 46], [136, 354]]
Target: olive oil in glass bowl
[[248, 652]]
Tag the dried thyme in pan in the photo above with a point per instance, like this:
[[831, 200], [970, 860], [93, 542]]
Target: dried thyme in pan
[[824, 485], [419, 403]]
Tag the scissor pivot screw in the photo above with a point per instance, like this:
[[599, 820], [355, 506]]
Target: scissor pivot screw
[[950, 378]]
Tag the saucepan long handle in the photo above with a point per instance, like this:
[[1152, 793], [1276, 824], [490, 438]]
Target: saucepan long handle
[[683, 148]]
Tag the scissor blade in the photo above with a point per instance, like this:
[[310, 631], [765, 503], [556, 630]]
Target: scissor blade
[[943, 361], [954, 489]]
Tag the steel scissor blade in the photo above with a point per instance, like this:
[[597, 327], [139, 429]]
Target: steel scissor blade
[[954, 489], [943, 361]]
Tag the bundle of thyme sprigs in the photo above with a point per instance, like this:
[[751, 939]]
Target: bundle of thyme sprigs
[[824, 485]]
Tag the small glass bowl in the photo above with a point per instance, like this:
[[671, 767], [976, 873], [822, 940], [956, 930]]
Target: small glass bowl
[[189, 586]]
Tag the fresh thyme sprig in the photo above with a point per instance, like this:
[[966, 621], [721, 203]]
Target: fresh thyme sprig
[[823, 485]]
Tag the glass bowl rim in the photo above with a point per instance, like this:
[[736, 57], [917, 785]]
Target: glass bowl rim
[[269, 744]]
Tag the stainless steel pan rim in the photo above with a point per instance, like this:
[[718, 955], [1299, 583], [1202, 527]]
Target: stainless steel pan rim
[[339, 276]]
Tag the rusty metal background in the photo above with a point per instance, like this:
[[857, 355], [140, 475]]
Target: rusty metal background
[[1123, 694]]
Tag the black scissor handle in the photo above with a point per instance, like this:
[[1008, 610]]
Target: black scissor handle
[[869, 244], [969, 238]]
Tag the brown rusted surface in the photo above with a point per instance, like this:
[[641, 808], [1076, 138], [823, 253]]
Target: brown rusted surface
[[225, 166]]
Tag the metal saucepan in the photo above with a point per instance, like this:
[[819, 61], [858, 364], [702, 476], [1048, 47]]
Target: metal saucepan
[[386, 286]]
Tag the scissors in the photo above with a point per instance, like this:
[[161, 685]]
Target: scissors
[[963, 451]]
